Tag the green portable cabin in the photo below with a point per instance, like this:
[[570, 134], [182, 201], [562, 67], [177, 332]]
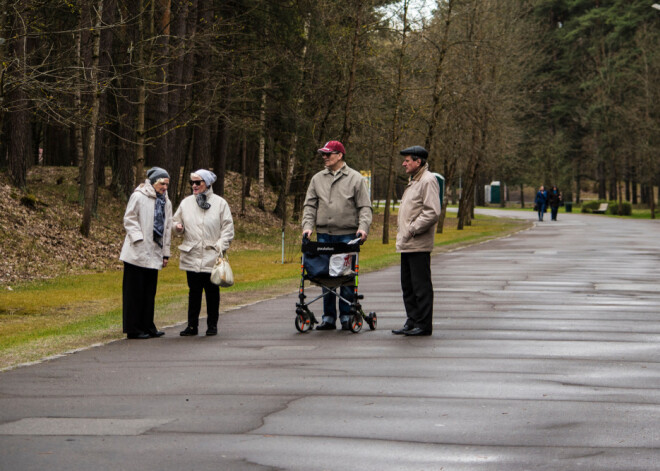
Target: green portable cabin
[[494, 193], [441, 183]]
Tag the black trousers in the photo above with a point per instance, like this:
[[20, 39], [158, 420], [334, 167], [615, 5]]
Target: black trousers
[[553, 212], [138, 296], [198, 282], [417, 289]]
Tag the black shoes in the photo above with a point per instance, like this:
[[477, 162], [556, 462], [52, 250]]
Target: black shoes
[[402, 330], [192, 331], [417, 332], [158, 333], [326, 326], [188, 331], [212, 331], [139, 335]]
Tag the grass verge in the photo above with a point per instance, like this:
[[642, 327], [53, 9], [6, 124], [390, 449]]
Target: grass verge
[[637, 213], [46, 318]]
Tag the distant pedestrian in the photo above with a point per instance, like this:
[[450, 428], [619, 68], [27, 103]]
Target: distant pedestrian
[[205, 221], [554, 201], [419, 211], [148, 224], [338, 205], [541, 202]]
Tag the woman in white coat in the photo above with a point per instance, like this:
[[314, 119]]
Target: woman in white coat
[[205, 221], [148, 224]]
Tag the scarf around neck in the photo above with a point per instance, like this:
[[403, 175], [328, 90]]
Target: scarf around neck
[[159, 219], [201, 201]]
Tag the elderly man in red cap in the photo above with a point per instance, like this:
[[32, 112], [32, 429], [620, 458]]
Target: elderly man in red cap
[[338, 205]]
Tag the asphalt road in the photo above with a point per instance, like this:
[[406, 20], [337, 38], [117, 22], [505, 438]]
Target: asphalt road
[[545, 356]]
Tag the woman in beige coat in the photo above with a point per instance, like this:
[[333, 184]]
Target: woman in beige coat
[[205, 221], [148, 224]]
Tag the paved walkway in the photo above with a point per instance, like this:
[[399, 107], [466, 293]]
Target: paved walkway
[[545, 356]]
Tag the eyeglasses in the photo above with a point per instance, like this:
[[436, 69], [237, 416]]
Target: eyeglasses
[[196, 182], [328, 154]]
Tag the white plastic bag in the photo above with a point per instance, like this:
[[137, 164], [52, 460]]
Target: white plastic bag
[[222, 274], [341, 264]]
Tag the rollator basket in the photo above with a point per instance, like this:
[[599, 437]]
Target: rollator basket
[[330, 266]]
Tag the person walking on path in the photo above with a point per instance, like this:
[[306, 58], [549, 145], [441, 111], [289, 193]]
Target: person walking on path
[[418, 216], [205, 221], [554, 200], [541, 202], [338, 205], [146, 249]]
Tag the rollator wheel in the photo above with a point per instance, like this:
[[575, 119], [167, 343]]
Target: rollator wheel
[[372, 320], [356, 323], [302, 324]]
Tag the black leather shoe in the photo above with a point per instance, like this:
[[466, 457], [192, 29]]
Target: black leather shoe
[[326, 326], [212, 331], [140, 335], [417, 332], [345, 326], [158, 333], [402, 330], [188, 331]]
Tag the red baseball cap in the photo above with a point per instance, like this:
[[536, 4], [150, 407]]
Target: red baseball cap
[[332, 146]]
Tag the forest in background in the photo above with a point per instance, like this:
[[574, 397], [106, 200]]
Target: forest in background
[[526, 92]]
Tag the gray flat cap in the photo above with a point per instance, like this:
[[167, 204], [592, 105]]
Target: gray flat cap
[[415, 151]]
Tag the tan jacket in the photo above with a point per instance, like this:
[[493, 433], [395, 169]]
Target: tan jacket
[[337, 204], [139, 247], [206, 233], [418, 213]]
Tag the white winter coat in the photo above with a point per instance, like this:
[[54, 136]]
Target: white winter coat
[[206, 233], [139, 247]]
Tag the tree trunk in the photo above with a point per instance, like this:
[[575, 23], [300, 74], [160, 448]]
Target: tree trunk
[[350, 88], [220, 158], [652, 201], [176, 139], [140, 125], [262, 152], [466, 203], [389, 191], [449, 172], [103, 149], [157, 114], [633, 183], [91, 135], [188, 165], [467, 195], [19, 138], [290, 163], [4, 21], [578, 183], [437, 86], [19, 149], [243, 171]]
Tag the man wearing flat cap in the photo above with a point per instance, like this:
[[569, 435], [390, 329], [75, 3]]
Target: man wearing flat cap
[[419, 211], [338, 205]]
